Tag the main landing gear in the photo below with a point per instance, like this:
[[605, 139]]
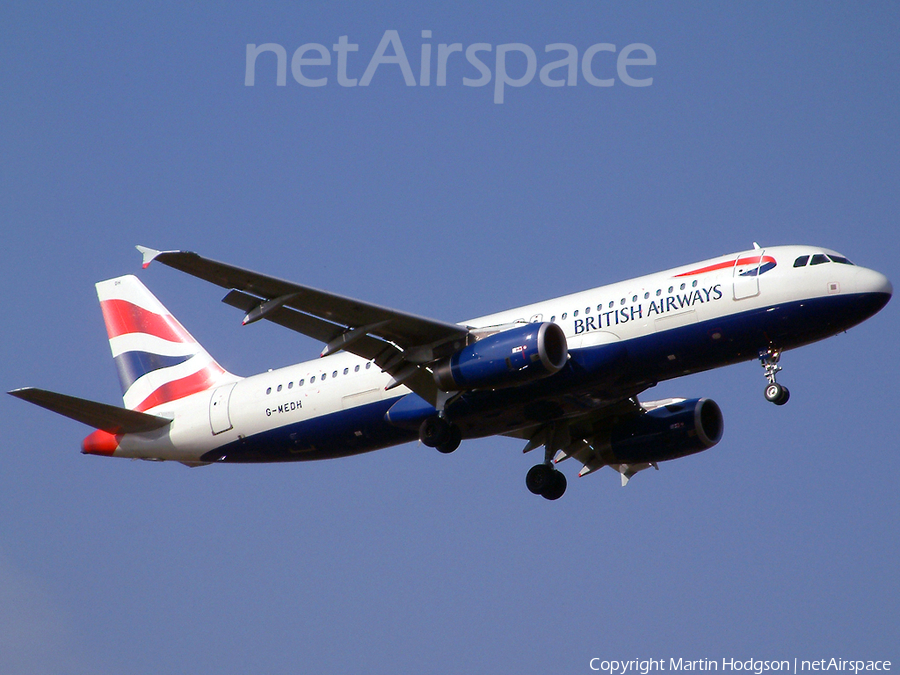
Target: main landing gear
[[775, 393], [544, 480], [437, 432]]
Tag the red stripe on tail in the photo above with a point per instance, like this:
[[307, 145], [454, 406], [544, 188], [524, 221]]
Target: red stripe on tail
[[123, 317], [171, 391]]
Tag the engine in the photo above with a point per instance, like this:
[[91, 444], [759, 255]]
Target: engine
[[668, 432], [504, 359]]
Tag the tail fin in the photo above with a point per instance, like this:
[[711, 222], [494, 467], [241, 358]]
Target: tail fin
[[157, 359]]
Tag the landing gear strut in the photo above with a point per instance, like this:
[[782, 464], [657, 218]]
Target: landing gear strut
[[437, 432], [775, 393]]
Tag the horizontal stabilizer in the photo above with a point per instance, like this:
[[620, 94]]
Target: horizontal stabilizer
[[109, 418]]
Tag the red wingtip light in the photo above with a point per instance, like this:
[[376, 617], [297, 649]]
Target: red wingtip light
[[100, 443]]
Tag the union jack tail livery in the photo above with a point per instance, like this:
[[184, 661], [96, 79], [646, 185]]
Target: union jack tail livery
[[157, 359]]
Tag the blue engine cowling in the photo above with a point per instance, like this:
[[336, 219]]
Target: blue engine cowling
[[668, 432], [504, 359]]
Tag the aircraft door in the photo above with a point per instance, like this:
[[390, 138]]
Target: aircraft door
[[219, 417], [746, 274]]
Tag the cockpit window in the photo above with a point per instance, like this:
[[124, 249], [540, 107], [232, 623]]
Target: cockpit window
[[840, 259], [821, 259]]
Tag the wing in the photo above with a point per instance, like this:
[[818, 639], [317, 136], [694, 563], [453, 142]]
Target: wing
[[401, 344]]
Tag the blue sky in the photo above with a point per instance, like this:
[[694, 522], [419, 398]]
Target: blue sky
[[125, 125]]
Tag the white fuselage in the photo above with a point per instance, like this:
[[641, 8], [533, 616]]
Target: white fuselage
[[634, 310]]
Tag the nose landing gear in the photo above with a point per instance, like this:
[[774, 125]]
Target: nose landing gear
[[775, 393]]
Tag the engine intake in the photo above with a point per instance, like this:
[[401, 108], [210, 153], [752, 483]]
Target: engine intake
[[504, 359], [668, 432]]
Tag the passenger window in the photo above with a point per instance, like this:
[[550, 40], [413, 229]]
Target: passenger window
[[646, 295], [290, 385], [356, 369], [682, 287], [658, 292], [300, 383], [575, 313], [269, 391], [323, 376], [346, 370], [801, 261], [587, 310], [565, 314], [694, 285], [334, 374], [368, 365], [819, 259], [634, 299], [612, 304], [279, 387], [312, 379]]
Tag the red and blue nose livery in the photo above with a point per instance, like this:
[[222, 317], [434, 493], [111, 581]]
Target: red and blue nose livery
[[744, 266]]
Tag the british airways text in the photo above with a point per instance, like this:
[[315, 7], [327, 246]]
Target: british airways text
[[647, 309]]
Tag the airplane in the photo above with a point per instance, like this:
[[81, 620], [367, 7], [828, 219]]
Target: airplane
[[563, 374]]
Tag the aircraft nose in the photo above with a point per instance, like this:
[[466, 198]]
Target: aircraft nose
[[876, 282], [874, 291]]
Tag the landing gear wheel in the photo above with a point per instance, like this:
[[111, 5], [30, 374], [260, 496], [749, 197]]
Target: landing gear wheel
[[544, 480], [557, 487], [434, 431], [777, 394], [452, 443], [538, 478]]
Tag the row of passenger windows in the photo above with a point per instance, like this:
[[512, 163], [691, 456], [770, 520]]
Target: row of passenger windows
[[820, 259], [321, 378], [817, 259], [612, 303]]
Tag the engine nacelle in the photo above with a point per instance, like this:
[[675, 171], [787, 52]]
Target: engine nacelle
[[668, 432], [504, 359]]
